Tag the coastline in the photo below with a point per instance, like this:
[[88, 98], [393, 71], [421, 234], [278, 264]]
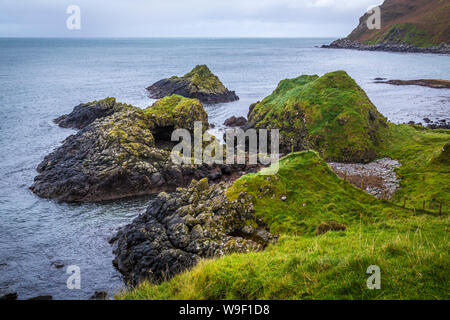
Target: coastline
[[387, 47]]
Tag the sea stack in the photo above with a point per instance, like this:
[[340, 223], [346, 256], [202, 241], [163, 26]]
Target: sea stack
[[200, 84]]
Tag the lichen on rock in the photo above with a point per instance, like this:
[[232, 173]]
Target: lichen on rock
[[330, 114], [179, 229], [199, 83]]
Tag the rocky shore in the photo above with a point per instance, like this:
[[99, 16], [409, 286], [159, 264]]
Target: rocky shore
[[392, 47], [377, 178], [430, 83], [179, 229], [200, 84]]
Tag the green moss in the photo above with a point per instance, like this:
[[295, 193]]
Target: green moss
[[203, 80], [177, 112], [330, 114]]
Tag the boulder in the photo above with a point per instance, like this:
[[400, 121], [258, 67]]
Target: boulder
[[235, 122], [200, 83]]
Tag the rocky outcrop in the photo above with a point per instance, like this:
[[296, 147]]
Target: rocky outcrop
[[120, 156], [200, 84], [235, 122], [330, 114], [86, 113], [406, 26], [179, 229], [386, 46], [430, 83]]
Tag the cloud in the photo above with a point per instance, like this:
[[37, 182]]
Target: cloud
[[140, 18]]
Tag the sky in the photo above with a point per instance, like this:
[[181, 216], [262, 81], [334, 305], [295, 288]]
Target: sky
[[183, 18]]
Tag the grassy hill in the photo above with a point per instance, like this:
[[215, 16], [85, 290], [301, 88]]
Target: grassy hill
[[422, 23]]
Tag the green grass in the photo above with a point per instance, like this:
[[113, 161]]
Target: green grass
[[408, 33], [410, 247], [425, 170], [413, 254], [330, 114]]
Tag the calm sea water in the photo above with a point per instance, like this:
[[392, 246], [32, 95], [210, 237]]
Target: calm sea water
[[40, 79]]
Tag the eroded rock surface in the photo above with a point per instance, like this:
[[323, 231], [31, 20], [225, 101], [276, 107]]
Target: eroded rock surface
[[179, 229]]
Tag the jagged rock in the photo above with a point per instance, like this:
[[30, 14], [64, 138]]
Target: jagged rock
[[235, 122], [179, 229], [330, 114], [326, 226], [200, 83], [120, 155], [86, 113]]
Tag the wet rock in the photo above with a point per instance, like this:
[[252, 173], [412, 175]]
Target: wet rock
[[179, 229], [430, 83], [327, 226], [48, 297], [200, 84], [99, 295], [235, 122], [58, 264], [9, 296]]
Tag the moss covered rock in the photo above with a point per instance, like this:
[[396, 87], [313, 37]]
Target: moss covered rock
[[124, 154], [176, 112], [200, 83], [179, 229], [330, 114], [86, 113]]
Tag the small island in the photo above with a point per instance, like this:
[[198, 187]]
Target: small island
[[200, 84]]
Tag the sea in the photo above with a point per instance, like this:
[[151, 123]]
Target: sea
[[41, 79]]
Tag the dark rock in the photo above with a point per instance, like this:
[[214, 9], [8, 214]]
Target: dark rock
[[86, 113], [179, 229], [42, 298], [235, 122], [200, 84], [430, 83], [326, 226], [58, 264], [427, 120], [118, 156], [99, 295], [9, 296]]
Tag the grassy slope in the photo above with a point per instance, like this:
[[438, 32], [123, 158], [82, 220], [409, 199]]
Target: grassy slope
[[411, 248], [424, 174]]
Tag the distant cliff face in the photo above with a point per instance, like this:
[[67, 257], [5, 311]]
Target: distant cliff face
[[421, 23]]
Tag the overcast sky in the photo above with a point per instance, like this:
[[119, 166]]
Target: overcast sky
[[183, 18]]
